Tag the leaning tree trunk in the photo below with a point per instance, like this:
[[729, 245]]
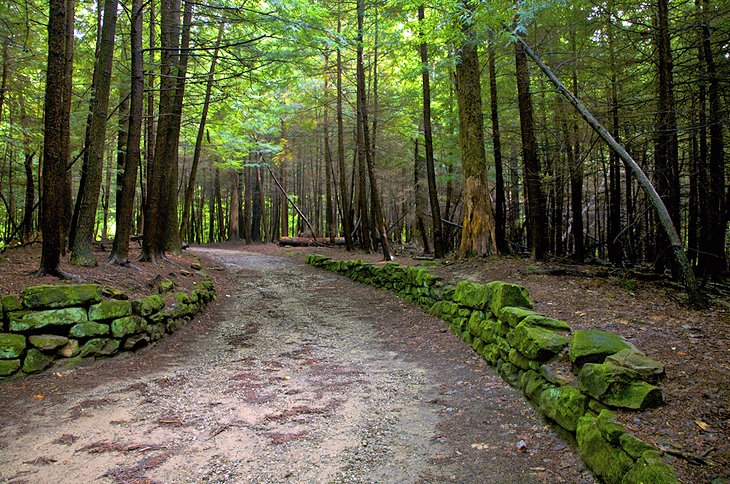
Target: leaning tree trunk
[[477, 233], [696, 298], [81, 250], [132, 154]]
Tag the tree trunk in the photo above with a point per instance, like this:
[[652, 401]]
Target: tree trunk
[[500, 209], [346, 227], [666, 151], [534, 195], [190, 188], [256, 207], [438, 233], [54, 163], [477, 233], [576, 174], [67, 94], [156, 206], [712, 259], [419, 169], [132, 155], [329, 210], [378, 221], [88, 196]]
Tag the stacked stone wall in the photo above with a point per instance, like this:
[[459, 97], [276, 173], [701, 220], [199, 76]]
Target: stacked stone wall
[[73, 322], [577, 379]]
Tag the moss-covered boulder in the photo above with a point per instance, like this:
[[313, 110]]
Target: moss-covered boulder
[[514, 315], [565, 405], [148, 305], [33, 320], [135, 342], [608, 462], [545, 322], [11, 346], [647, 368], [518, 359], [649, 469], [114, 293], [48, 342], [634, 446], [106, 310], [533, 385], [166, 285], [473, 295], [61, 296], [11, 303], [510, 373], [99, 347], [36, 361], [9, 367], [536, 342], [70, 349], [618, 387], [504, 294], [594, 345], [129, 325], [89, 329], [156, 331]]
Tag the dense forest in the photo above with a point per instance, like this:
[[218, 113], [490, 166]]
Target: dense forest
[[439, 126]]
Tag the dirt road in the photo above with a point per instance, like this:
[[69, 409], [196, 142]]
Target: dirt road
[[295, 375]]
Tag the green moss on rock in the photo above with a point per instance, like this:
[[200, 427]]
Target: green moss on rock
[[9, 367], [473, 295], [89, 329], [47, 342], [518, 359], [594, 345], [565, 405], [148, 305], [545, 322], [36, 361], [618, 386], [647, 368], [634, 446], [11, 303], [110, 310], [129, 325], [536, 342], [32, 320], [99, 347], [504, 294], [608, 462], [11, 346], [514, 315], [61, 296], [650, 469]]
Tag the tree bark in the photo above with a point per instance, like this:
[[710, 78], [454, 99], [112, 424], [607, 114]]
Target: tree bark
[[54, 163], [419, 170], [132, 154], [535, 198], [500, 210], [433, 197], [329, 209], [346, 226]]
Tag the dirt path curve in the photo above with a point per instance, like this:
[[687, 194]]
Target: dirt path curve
[[296, 375]]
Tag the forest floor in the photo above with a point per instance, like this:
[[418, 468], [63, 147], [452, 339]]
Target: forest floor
[[298, 374]]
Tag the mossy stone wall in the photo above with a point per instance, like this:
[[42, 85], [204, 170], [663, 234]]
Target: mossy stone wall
[[71, 322], [575, 378]]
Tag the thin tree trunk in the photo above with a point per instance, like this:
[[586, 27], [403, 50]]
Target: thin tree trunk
[[132, 154], [535, 197], [419, 169], [81, 250], [346, 217], [500, 209], [438, 233], [189, 190], [329, 211]]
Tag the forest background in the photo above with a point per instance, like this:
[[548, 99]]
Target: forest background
[[391, 124]]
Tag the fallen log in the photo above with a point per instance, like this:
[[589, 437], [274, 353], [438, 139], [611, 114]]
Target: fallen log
[[309, 241]]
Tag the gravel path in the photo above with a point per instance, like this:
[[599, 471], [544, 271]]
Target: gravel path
[[296, 375]]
